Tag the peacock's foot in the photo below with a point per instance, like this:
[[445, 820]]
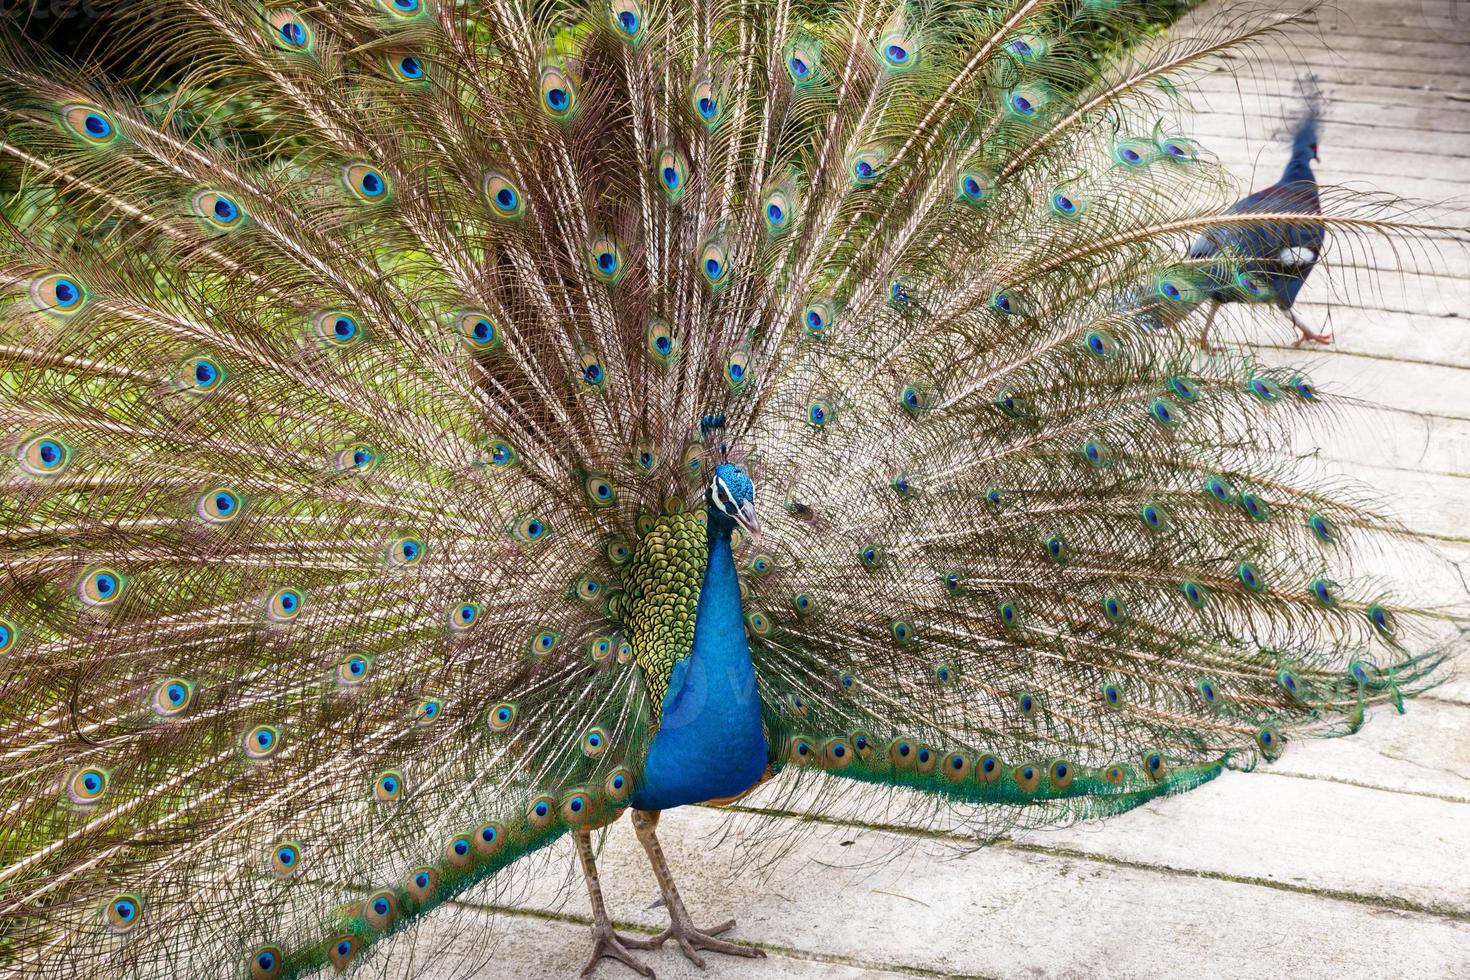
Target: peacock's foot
[[610, 944], [692, 939], [1309, 336]]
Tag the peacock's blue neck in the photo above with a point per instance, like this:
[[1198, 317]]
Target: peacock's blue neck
[[710, 742]]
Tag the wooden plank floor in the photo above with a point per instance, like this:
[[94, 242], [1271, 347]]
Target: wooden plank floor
[[1348, 858]]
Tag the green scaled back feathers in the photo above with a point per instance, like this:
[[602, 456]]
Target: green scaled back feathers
[[351, 369]]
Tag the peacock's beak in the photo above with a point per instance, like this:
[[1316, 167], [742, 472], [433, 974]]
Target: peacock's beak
[[746, 518]]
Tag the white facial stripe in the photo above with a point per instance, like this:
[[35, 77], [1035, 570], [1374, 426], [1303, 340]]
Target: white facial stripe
[[724, 498]]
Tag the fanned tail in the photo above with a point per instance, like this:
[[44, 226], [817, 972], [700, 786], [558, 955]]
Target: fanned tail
[[346, 359]]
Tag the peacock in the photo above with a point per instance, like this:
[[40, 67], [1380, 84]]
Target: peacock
[[434, 429]]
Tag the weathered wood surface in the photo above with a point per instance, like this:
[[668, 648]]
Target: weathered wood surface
[[1348, 858]]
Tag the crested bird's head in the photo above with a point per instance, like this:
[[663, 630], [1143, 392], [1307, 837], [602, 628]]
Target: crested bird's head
[[732, 494]]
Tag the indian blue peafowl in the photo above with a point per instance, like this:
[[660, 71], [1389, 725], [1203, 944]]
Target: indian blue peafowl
[[1270, 261], [435, 429]]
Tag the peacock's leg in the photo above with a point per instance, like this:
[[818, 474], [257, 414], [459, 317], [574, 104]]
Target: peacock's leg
[[605, 942], [1204, 334], [1307, 333], [681, 927]]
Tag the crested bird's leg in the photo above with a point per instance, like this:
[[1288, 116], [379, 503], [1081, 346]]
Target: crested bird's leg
[[1307, 333], [1204, 334], [605, 942], [681, 927]]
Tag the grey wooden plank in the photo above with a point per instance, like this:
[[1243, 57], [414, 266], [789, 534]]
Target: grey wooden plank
[[874, 897], [488, 942]]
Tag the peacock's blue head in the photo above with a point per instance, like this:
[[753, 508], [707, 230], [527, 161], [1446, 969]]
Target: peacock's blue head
[[732, 494]]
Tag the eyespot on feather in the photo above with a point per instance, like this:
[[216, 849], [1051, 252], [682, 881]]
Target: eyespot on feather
[[337, 329], [100, 587], [123, 913], [219, 506], [558, 94], [704, 99], [422, 884], [353, 670], [284, 605], [974, 187], [388, 786], [407, 68], [541, 813], [489, 839], [803, 61], [619, 785], [365, 182], [714, 265], [502, 196], [737, 369], [58, 295], [218, 210], [290, 31], [341, 951], [662, 345], [359, 458], [43, 455], [285, 860], [91, 124], [261, 742], [1027, 778], [380, 909], [172, 698], [87, 785], [605, 259], [200, 375], [627, 20], [404, 8], [463, 616], [265, 963]]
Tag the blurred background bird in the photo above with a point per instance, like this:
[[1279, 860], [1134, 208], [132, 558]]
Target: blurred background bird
[[1270, 260], [436, 430]]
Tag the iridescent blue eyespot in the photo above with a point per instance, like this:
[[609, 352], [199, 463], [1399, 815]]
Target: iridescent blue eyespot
[[66, 293], [1219, 490], [1250, 576], [1381, 618], [123, 913], [388, 786]]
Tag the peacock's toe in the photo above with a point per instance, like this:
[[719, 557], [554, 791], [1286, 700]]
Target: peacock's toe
[[609, 944], [692, 939]]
